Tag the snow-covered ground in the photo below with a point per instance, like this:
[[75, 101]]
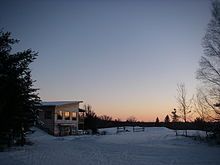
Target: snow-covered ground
[[154, 146]]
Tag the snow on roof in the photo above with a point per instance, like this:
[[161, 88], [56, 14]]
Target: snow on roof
[[58, 103]]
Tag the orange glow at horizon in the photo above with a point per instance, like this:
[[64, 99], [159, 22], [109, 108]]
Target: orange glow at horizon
[[141, 112]]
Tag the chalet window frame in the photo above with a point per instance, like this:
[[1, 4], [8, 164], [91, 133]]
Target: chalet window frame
[[67, 117], [74, 115], [59, 115]]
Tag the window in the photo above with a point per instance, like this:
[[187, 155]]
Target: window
[[73, 115], [48, 115], [60, 115], [67, 115]]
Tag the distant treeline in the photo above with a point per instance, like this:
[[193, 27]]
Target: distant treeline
[[204, 126], [108, 124]]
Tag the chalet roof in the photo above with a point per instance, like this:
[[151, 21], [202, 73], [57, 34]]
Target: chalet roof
[[58, 103], [82, 110]]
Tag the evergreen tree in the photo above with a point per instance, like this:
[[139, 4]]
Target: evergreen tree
[[167, 119], [17, 95], [175, 117], [90, 119], [157, 123], [157, 120]]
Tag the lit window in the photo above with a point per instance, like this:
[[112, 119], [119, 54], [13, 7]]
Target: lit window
[[59, 115], [67, 115], [73, 115]]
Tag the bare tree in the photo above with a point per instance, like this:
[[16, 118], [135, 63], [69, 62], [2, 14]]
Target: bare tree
[[131, 119], [203, 107], [106, 118], [209, 71], [117, 120], [184, 105]]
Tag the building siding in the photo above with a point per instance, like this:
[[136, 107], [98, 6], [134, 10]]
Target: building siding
[[53, 125], [47, 124]]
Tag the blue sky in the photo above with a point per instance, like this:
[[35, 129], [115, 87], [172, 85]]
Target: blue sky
[[123, 57]]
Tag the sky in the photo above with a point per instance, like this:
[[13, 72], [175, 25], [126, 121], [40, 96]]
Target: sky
[[123, 57]]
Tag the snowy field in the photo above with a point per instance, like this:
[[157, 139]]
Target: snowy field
[[154, 146]]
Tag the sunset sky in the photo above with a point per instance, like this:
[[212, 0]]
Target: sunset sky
[[123, 57]]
